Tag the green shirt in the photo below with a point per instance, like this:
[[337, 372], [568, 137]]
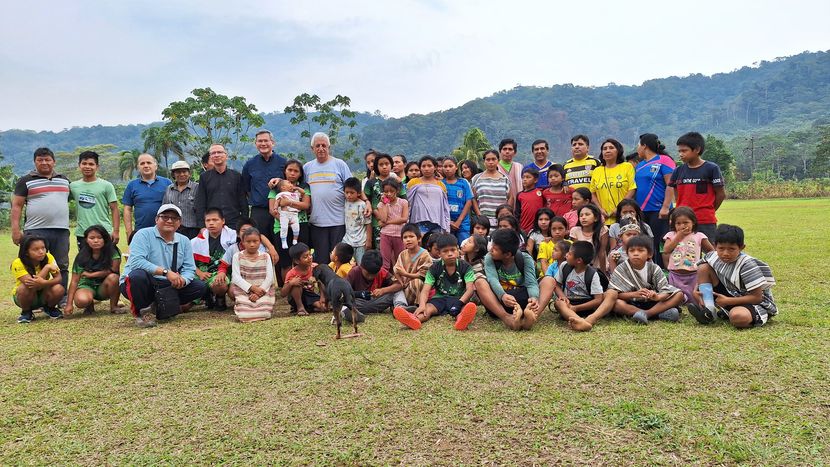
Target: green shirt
[[506, 165], [93, 204], [447, 285]]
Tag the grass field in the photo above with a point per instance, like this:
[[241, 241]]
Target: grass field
[[204, 389]]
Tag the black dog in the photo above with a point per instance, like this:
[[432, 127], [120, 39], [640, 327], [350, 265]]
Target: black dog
[[338, 293]]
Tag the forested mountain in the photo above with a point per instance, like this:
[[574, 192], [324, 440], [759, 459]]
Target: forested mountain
[[773, 97]]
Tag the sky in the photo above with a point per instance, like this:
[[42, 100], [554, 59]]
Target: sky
[[88, 62]]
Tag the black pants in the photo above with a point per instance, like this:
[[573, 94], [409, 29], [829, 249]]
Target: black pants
[[57, 242], [659, 227], [139, 287], [324, 239], [264, 222]]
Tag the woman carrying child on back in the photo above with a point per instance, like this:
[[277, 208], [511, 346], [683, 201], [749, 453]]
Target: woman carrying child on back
[[95, 273], [682, 250], [37, 280], [252, 280]]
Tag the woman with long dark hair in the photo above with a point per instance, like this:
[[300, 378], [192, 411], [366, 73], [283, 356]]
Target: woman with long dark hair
[[652, 176], [612, 181]]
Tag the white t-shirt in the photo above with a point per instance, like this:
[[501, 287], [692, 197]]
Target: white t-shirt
[[326, 184]]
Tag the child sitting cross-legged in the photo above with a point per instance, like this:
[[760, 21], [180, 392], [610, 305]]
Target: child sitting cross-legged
[[732, 284], [375, 290], [577, 289], [453, 280], [643, 292], [412, 264], [511, 276]]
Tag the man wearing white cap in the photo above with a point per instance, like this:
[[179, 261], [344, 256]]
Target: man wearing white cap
[[152, 265], [182, 193]]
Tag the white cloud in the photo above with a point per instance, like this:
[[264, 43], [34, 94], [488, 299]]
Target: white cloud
[[82, 63]]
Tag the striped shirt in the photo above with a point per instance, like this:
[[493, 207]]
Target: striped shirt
[[578, 173], [186, 201], [47, 200], [743, 276], [490, 194]]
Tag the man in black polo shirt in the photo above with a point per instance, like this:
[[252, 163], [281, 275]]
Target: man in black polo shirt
[[45, 194], [256, 173], [222, 187]]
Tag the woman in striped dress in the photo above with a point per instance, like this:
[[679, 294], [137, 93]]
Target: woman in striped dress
[[252, 280], [490, 189]]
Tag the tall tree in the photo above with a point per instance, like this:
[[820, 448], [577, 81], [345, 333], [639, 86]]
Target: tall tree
[[473, 145], [210, 118], [820, 165], [330, 116], [159, 142], [128, 162], [717, 152]]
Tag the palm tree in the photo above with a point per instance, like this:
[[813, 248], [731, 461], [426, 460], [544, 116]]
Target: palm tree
[[158, 141], [127, 163], [472, 146]]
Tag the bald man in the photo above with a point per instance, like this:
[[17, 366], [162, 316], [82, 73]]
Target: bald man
[[143, 195]]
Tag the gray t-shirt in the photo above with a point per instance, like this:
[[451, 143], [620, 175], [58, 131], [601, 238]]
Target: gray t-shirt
[[47, 201], [326, 182], [574, 285]]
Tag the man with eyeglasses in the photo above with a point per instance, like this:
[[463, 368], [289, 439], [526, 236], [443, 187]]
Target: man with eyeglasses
[[222, 187], [151, 266]]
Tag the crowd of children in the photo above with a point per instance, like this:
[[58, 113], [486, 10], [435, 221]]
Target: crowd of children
[[424, 253]]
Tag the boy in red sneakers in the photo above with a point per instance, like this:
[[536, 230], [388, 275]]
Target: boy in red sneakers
[[452, 278]]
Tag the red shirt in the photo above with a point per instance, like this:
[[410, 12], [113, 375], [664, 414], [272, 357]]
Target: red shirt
[[529, 202], [559, 203], [304, 276], [696, 189]]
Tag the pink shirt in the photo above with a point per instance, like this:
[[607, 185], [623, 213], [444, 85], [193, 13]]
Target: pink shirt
[[687, 252], [395, 211]]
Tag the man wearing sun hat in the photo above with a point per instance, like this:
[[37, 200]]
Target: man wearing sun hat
[[182, 193], [151, 266]]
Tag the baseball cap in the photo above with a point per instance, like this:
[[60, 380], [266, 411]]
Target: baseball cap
[[179, 165], [169, 207]]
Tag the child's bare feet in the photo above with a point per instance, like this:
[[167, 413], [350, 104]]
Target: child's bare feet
[[579, 324], [518, 313]]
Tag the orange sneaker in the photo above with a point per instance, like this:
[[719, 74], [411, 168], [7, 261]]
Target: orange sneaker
[[467, 315], [406, 318]]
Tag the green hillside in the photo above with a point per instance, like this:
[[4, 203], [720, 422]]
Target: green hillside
[[775, 97]]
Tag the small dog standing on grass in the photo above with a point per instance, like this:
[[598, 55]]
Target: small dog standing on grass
[[338, 296]]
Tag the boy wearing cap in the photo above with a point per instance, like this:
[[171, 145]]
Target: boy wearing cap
[[182, 193], [151, 265]]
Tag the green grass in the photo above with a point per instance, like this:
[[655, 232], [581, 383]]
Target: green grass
[[204, 389]]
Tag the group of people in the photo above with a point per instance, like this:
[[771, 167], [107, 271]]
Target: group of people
[[424, 238]]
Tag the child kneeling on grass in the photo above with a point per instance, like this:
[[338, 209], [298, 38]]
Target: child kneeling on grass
[[643, 292], [732, 284], [252, 279], [511, 276], [37, 280], [453, 280], [578, 289]]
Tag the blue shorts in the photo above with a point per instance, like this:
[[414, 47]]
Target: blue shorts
[[444, 305]]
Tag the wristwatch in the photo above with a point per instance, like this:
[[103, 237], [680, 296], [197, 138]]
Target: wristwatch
[[164, 272]]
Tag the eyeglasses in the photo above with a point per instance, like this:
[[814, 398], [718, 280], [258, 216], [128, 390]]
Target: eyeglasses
[[166, 218], [214, 153]]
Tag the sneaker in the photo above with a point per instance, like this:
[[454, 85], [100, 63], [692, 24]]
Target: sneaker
[[210, 302], [410, 308], [147, 318], [702, 315], [721, 313], [346, 316], [53, 313], [640, 317], [406, 318], [467, 315], [26, 317], [672, 314]]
